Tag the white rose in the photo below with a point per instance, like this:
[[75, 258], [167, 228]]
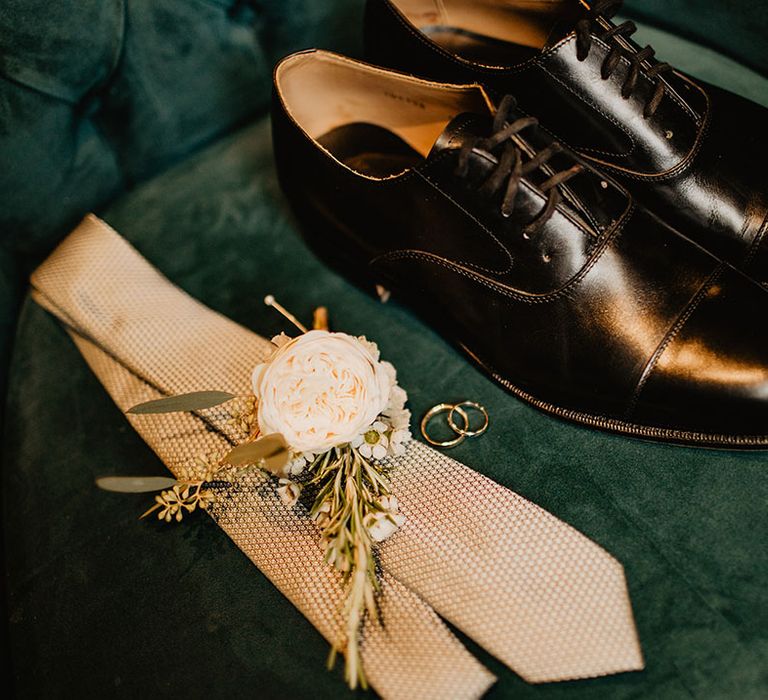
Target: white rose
[[320, 390]]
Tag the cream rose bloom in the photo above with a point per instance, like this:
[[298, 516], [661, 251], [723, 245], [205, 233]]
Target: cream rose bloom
[[320, 390]]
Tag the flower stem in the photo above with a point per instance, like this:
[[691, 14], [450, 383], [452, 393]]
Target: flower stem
[[349, 489]]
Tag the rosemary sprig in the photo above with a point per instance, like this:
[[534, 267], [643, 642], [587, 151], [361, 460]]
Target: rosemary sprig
[[351, 497]]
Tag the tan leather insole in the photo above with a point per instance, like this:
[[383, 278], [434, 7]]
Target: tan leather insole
[[326, 91]]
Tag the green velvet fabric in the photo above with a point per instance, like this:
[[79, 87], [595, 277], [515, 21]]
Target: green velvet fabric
[[104, 605], [734, 27], [98, 95]]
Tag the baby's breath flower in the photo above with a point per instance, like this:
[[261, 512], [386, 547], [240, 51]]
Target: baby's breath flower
[[289, 492], [397, 440], [397, 399], [399, 420], [369, 345], [383, 525], [389, 503], [320, 514]]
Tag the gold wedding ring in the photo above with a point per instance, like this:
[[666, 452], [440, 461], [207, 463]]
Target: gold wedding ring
[[437, 410], [465, 431], [462, 432]]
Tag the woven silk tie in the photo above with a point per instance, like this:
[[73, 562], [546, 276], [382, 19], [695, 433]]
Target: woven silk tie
[[533, 591]]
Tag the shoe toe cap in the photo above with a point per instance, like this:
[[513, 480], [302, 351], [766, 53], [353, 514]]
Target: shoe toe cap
[[710, 373]]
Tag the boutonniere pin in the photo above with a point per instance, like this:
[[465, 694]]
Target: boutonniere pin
[[325, 414]]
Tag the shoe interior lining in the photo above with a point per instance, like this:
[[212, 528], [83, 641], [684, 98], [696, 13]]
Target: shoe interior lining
[[324, 92], [370, 149], [479, 48], [476, 28]]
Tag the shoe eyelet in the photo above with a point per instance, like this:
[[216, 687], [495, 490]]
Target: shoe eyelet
[[526, 235], [604, 184], [546, 257], [669, 134]]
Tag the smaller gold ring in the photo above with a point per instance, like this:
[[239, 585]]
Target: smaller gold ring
[[464, 431], [436, 410]]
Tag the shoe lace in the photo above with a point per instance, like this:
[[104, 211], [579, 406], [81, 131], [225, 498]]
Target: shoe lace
[[510, 167], [584, 28]]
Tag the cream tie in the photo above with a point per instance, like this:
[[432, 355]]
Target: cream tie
[[533, 591]]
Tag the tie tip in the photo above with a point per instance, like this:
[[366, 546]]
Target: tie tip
[[627, 661]]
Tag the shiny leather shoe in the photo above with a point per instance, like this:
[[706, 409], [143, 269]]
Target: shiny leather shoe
[[692, 153], [545, 271]]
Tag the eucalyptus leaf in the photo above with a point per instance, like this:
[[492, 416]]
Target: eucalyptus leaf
[[183, 402], [269, 452], [135, 484]]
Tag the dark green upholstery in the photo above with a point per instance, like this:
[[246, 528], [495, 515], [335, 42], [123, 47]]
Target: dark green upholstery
[[735, 27], [104, 605], [99, 95]]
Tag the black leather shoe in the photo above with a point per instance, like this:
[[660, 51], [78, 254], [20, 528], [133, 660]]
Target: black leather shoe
[[544, 271], [692, 153]]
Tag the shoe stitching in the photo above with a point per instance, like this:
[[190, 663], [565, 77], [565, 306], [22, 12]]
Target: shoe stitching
[[468, 65], [479, 223], [566, 40], [670, 335], [564, 291], [539, 61], [589, 215], [671, 93], [677, 169], [574, 196], [506, 70], [414, 32], [599, 110], [618, 425], [758, 239], [627, 64], [424, 173]]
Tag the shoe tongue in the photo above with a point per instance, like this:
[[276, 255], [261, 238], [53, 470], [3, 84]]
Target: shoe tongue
[[564, 25], [461, 128], [588, 199]]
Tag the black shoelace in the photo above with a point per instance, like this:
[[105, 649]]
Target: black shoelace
[[584, 29], [510, 167]]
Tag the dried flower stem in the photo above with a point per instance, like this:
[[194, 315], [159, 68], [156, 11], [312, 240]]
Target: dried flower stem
[[350, 489], [189, 492], [184, 496]]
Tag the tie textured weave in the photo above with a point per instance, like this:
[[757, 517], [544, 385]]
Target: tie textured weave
[[532, 590]]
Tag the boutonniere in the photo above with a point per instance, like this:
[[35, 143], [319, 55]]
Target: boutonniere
[[325, 415]]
